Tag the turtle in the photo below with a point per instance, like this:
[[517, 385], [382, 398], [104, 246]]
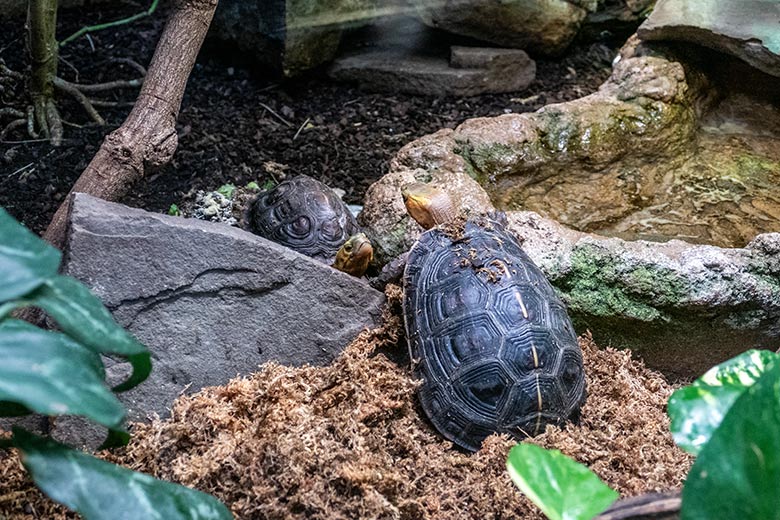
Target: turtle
[[307, 216], [487, 334]]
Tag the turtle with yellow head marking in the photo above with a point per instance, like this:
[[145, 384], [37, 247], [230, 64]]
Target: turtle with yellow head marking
[[307, 216], [487, 334]]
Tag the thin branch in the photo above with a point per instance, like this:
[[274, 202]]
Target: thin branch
[[75, 91], [10, 126], [110, 104], [301, 129], [280, 118], [8, 111], [99, 27], [131, 63], [109, 85]]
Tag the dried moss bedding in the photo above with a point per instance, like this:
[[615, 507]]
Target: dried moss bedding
[[349, 441]]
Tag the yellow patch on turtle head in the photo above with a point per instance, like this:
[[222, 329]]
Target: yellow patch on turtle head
[[427, 205], [355, 255]]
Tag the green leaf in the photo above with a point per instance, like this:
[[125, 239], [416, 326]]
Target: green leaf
[[737, 473], [562, 488], [227, 190], [82, 316], [698, 409], [26, 261], [252, 185], [49, 373], [173, 211], [98, 490]]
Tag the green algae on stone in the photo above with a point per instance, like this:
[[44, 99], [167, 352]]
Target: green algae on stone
[[598, 284]]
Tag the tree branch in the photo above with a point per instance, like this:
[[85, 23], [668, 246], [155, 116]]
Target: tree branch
[[147, 139]]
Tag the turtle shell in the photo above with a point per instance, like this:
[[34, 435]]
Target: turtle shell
[[305, 215], [489, 337]]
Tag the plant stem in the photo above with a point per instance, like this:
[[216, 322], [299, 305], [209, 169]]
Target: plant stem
[[100, 27], [41, 24]]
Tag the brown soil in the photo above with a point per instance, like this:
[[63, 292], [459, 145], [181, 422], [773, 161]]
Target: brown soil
[[227, 132], [350, 441]]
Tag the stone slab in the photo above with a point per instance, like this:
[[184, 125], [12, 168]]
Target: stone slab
[[747, 29], [209, 300], [471, 71]]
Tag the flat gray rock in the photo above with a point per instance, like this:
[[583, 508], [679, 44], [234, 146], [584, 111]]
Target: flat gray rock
[[747, 29], [470, 71], [209, 300]]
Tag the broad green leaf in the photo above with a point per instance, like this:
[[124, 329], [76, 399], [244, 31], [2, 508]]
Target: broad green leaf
[[737, 473], [698, 409], [562, 488], [25, 260], [82, 316], [49, 373], [98, 490]]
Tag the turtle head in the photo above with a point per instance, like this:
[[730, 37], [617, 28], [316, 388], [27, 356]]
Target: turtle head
[[355, 255], [427, 205]]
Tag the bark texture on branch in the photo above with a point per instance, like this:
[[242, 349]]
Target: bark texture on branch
[[147, 139]]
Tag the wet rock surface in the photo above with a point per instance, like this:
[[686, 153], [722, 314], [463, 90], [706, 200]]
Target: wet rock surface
[[209, 300], [747, 29]]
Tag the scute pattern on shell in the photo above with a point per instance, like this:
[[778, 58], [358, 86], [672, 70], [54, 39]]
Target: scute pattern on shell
[[489, 337], [305, 215]]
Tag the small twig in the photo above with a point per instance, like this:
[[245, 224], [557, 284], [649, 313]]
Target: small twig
[[22, 169], [271, 110], [8, 111], [300, 129], [131, 63], [8, 72], [10, 126], [73, 125], [76, 92], [72, 67], [98, 27], [110, 104], [109, 85], [27, 141], [91, 42]]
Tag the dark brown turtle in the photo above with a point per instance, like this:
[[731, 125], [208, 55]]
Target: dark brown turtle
[[487, 334], [307, 216]]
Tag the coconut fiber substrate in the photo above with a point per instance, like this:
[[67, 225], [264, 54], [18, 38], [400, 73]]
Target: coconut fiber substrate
[[349, 440]]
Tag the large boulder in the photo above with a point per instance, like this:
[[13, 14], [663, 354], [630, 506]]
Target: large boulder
[[544, 27], [747, 29], [209, 300]]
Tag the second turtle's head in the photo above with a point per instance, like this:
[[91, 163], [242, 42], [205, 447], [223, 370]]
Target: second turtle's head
[[427, 205], [355, 255]]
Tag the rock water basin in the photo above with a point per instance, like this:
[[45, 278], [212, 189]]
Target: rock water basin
[[652, 204]]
